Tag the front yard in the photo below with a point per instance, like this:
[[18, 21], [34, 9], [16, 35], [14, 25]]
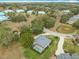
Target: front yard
[[70, 47], [31, 54]]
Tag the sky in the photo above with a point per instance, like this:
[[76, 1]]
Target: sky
[[40, 0]]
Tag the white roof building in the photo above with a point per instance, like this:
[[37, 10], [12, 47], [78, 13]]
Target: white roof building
[[29, 11], [6, 11], [66, 11], [41, 12], [20, 10]]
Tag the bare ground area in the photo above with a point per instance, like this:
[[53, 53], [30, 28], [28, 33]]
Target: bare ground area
[[13, 52], [53, 57]]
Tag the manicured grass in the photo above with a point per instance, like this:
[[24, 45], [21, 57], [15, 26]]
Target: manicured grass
[[31, 54], [65, 28], [70, 47]]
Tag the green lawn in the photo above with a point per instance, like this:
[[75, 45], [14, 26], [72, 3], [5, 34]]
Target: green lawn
[[65, 28], [70, 47], [31, 54]]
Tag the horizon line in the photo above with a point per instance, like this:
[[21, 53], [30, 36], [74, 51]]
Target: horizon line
[[42, 1]]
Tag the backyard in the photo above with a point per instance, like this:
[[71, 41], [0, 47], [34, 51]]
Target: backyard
[[70, 47], [65, 28], [31, 54]]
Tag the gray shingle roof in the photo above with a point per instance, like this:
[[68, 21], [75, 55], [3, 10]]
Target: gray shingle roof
[[43, 41], [67, 56], [64, 56], [75, 56]]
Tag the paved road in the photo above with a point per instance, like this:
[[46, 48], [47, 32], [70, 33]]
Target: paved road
[[60, 46], [61, 41]]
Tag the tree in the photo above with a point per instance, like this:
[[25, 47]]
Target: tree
[[7, 38], [48, 21], [18, 18], [65, 18], [76, 24], [37, 26], [75, 11], [26, 37]]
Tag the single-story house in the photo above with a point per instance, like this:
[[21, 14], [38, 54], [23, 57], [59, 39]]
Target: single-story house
[[66, 11], [67, 56], [41, 12], [41, 43], [76, 36], [73, 19], [6, 11], [29, 11], [20, 10]]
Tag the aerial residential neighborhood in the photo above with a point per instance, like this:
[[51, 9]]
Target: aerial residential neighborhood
[[47, 30]]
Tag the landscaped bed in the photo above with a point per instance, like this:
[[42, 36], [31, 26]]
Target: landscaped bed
[[65, 28], [31, 54], [70, 47]]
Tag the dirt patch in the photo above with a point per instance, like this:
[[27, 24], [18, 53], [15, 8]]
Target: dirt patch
[[53, 57], [13, 52]]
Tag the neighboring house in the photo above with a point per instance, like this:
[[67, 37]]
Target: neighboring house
[[73, 19], [76, 36], [41, 43], [67, 56], [30, 12], [3, 16], [20, 10], [66, 11], [6, 11], [41, 12]]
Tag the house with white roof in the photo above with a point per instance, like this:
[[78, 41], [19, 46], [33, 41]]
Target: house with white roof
[[6, 11], [41, 12], [41, 43], [66, 11], [29, 11], [20, 10]]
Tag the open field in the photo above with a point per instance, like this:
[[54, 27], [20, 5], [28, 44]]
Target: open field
[[64, 28]]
